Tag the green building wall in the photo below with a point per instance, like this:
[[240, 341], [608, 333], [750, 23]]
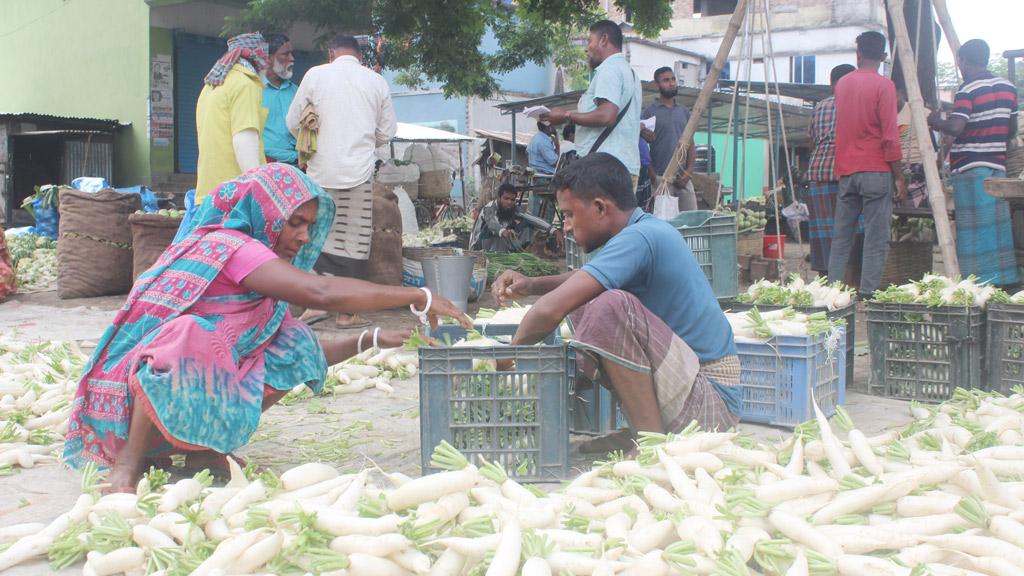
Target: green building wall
[[161, 157], [81, 58], [750, 162]]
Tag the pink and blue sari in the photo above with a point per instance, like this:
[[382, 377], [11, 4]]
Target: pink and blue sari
[[200, 364]]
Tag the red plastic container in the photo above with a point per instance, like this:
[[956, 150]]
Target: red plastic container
[[774, 247]]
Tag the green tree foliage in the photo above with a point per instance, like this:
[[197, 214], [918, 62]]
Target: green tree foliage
[[440, 40]]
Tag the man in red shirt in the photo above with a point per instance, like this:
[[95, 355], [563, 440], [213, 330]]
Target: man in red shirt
[[867, 162]]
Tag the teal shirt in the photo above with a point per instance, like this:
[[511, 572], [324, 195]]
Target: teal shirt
[[650, 260], [278, 142], [615, 82]]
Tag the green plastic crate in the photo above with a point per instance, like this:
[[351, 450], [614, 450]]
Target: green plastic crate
[[712, 239], [921, 353], [1004, 347], [518, 418]]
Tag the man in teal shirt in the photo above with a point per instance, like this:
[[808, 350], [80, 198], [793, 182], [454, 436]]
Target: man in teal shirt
[[608, 113], [278, 93]]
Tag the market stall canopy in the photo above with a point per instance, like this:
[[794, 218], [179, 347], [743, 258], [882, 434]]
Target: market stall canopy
[[796, 118], [416, 133]]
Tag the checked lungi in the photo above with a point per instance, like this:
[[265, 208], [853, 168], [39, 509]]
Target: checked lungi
[[984, 235], [617, 327]]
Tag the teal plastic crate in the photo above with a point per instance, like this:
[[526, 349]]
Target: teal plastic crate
[[597, 411], [778, 375], [848, 314], [712, 239], [518, 418], [924, 353]]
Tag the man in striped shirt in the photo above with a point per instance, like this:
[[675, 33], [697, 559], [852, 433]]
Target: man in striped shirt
[[982, 121]]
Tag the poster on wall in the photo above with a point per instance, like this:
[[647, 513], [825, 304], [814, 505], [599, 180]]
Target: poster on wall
[[161, 101]]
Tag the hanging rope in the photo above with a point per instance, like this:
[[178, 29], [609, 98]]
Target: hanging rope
[[732, 111]]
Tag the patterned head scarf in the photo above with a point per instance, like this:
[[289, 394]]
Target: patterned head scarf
[[250, 48]]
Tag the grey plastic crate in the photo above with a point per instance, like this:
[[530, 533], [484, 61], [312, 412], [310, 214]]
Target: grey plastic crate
[[518, 418], [712, 239], [1004, 347], [921, 353], [575, 257]]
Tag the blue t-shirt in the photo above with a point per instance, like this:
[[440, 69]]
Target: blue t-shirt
[[615, 82], [650, 260], [645, 153], [278, 142]]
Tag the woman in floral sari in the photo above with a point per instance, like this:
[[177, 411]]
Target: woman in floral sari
[[205, 341]]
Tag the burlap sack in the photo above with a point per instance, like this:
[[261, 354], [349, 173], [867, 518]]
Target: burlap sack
[[392, 175], [151, 235], [435, 184], [385, 265], [94, 250]]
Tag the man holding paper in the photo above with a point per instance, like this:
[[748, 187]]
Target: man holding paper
[[663, 122], [608, 113]]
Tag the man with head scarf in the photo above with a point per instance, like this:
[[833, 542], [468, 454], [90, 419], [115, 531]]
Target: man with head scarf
[[230, 114], [278, 93]]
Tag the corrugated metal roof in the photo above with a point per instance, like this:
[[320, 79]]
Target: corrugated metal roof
[[37, 117]]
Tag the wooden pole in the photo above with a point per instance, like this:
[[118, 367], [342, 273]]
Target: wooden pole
[[947, 28], [936, 197], [704, 98]]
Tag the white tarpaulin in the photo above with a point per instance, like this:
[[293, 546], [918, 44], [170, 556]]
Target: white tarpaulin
[[416, 133]]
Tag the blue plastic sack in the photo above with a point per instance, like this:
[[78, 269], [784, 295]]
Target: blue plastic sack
[[150, 203], [186, 221], [47, 220]]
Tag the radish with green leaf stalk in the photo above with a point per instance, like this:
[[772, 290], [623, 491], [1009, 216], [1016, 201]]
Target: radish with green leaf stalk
[[461, 476]]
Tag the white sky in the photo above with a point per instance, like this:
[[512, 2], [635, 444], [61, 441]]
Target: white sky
[[998, 22]]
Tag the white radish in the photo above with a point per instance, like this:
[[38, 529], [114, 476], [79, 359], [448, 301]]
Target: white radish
[[381, 546], [340, 524], [506, 555], [536, 567], [790, 489], [259, 553], [182, 492], [432, 487], [412, 560], [803, 533], [850, 565], [643, 539], [681, 483], [865, 455], [116, 561], [861, 499], [17, 531], [704, 533], [251, 494], [25, 549], [581, 565], [799, 565], [449, 563], [367, 565], [148, 537], [228, 552]]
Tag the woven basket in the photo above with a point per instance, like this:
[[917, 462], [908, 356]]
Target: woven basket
[[1015, 162], [750, 243], [907, 261]]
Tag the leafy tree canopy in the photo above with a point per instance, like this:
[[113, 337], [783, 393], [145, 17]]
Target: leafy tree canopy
[[440, 40]]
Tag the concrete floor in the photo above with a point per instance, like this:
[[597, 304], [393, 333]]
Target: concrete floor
[[350, 431]]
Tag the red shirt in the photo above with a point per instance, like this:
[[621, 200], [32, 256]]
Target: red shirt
[[867, 138]]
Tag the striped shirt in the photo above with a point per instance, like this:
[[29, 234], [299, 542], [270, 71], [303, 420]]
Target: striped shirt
[[822, 132], [988, 104]]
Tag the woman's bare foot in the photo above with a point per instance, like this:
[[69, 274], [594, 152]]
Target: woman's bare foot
[[124, 476], [618, 440], [210, 460], [346, 321]]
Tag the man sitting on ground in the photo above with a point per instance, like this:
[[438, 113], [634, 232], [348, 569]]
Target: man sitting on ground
[[499, 228], [644, 316]]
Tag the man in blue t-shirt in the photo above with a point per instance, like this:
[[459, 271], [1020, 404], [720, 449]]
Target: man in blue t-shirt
[[643, 313]]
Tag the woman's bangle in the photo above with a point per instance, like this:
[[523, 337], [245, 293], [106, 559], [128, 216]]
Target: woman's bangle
[[376, 332], [422, 314], [359, 343]]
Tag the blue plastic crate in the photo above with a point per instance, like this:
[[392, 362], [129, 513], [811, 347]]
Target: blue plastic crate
[[777, 377], [597, 411], [518, 418], [712, 239], [501, 332]]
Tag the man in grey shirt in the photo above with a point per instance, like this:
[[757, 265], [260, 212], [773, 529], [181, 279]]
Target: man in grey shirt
[[669, 126]]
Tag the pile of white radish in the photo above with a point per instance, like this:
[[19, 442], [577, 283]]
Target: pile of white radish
[[935, 290], [37, 381], [373, 368], [798, 293], [942, 497], [509, 315], [756, 325]]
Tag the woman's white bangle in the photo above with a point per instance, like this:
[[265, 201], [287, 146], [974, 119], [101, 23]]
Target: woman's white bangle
[[376, 332], [359, 343], [422, 314]]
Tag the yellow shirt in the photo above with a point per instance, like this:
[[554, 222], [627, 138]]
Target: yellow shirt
[[222, 112]]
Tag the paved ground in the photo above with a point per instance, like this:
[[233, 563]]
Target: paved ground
[[352, 431]]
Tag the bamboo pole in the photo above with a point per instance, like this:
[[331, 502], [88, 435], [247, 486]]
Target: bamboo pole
[[704, 98], [936, 197], [947, 28]]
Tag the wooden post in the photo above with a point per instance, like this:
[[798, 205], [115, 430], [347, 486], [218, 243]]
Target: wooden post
[[947, 28], [704, 97], [936, 197]]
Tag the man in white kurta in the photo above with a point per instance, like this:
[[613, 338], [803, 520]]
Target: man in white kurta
[[356, 117]]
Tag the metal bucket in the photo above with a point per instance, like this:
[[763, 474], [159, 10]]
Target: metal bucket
[[449, 277]]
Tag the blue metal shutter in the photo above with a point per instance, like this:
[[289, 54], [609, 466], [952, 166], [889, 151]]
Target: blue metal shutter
[[193, 58]]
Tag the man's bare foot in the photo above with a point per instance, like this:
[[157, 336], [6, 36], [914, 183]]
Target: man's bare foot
[[351, 321], [618, 440]]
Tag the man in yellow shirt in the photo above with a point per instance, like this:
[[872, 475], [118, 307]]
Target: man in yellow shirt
[[230, 114]]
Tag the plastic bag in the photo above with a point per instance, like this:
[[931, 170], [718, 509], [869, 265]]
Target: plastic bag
[[666, 207], [89, 184], [43, 206], [186, 220], [150, 203]]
